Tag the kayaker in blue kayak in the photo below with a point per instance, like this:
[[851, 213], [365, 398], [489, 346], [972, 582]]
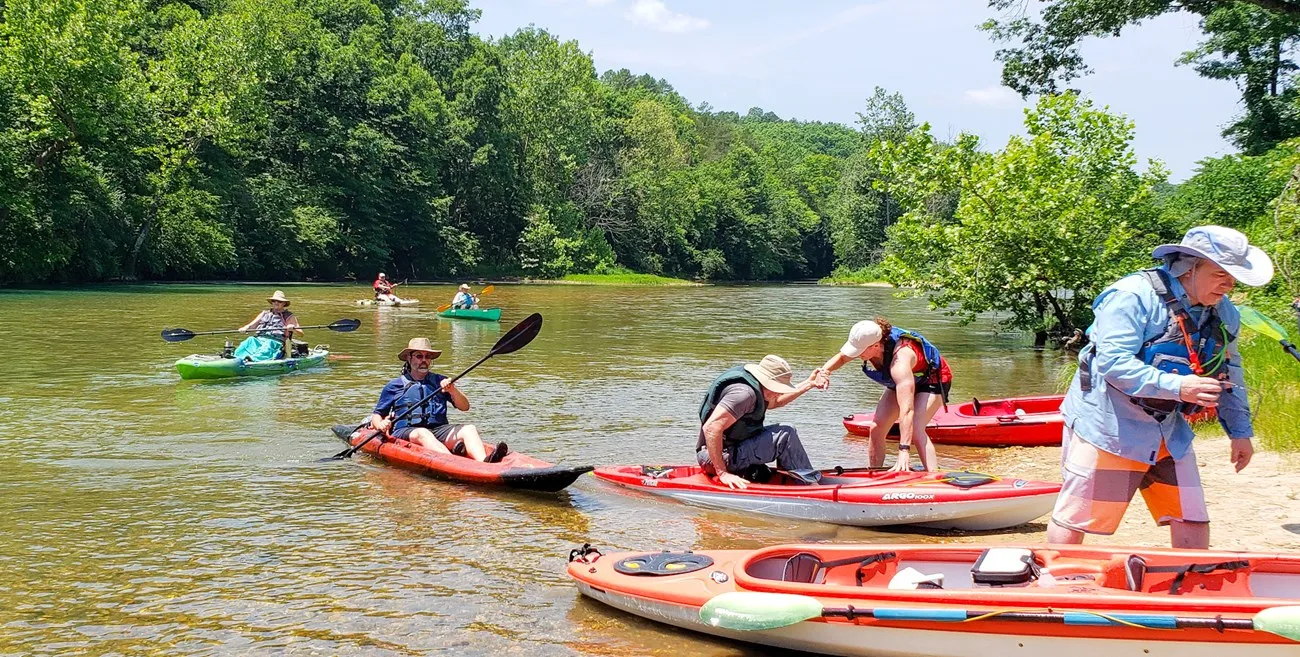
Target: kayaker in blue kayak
[[463, 299], [273, 329], [427, 425], [1163, 343], [916, 379], [731, 421]]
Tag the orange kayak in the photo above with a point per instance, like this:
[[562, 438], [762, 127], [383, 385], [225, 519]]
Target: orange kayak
[[1017, 421], [963, 600], [514, 471], [865, 498]]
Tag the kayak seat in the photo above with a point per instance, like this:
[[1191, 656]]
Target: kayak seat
[[1137, 569], [808, 568]]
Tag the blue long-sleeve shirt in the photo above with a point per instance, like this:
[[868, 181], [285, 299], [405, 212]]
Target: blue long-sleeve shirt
[[1128, 314]]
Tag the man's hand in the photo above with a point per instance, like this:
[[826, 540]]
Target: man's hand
[[1242, 450], [821, 379], [447, 386], [732, 481], [904, 461], [381, 425], [1200, 390]]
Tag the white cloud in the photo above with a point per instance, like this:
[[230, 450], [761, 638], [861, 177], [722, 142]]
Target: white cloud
[[599, 3], [992, 96], [657, 15]]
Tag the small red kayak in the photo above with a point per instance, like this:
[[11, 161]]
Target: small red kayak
[[1017, 421], [1011, 422], [514, 471], [864, 498]]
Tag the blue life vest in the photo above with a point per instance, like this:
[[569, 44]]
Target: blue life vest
[[933, 361], [432, 413], [747, 425], [1168, 351], [270, 324]]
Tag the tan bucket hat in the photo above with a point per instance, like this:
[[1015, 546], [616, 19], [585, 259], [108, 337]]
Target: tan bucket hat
[[464, 286], [773, 373], [278, 296], [418, 344]]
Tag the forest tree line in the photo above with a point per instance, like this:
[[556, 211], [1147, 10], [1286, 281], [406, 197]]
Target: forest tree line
[[330, 139]]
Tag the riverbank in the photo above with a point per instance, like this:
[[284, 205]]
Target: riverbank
[[864, 277]]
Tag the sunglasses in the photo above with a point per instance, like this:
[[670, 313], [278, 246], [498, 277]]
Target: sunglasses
[[419, 355]]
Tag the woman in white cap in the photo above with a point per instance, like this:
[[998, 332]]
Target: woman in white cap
[[1162, 344], [273, 328], [463, 299], [916, 379]]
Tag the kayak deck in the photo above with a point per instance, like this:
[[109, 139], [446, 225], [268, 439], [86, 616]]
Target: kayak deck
[[481, 314], [395, 304], [1012, 422], [201, 366], [516, 470], [863, 498]]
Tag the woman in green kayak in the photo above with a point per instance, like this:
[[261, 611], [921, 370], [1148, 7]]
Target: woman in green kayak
[[273, 329]]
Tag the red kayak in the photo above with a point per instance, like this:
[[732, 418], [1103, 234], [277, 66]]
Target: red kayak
[[1018, 421], [1015, 421], [862, 497], [514, 471]]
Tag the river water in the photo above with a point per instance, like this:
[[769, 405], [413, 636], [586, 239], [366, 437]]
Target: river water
[[142, 514]]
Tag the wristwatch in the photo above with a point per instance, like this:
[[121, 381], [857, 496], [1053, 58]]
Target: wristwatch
[[904, 448]]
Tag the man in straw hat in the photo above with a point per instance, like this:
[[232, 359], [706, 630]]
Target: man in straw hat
[[1163, 344], [273, 328], [463, 299], [732, 430], [428, 393]]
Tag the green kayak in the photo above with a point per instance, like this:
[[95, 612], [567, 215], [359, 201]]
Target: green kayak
[[201, 366], [485, 314]]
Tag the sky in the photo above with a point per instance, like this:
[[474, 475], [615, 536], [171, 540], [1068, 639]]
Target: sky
[[819, 60]]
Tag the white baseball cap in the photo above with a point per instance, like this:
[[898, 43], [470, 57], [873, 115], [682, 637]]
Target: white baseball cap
[[1226, 248], [863, 334]]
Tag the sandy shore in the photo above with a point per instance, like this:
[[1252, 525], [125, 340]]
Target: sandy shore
[[1256, 509]]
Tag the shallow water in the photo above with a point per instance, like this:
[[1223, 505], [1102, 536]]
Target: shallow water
[[143, 514]]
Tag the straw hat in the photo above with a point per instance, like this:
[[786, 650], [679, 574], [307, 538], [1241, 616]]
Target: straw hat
[[418, 344], [278, 296], [772, 373]]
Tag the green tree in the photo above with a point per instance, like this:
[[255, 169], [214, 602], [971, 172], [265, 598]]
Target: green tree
[[1041, 227]]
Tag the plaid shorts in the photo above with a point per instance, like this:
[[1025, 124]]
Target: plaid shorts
[[1098, 487]]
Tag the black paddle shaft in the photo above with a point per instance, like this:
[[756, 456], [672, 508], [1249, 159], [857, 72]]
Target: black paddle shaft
[[181, 334], [514, 340]]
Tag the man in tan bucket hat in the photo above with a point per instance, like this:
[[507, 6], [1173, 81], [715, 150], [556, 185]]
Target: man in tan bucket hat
[[732, 430], [273, 328], [428, 394]]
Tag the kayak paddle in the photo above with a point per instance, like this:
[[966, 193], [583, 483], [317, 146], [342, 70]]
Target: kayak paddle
[[486, 291], [181, 335], [753, 610], [515, 339], [1265, 326]]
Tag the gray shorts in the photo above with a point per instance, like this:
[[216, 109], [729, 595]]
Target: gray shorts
[[443, 432]]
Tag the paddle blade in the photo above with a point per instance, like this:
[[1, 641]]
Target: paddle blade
[[488, 290], [177, 334], [519, 336], [442, 308], [1282, 621], [1261, 323], [345, 325], [750, 610]]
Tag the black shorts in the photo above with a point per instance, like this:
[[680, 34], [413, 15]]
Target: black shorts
[[443, 432], [936, 389]]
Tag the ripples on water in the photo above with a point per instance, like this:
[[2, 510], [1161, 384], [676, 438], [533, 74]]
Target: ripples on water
[[142, 514]]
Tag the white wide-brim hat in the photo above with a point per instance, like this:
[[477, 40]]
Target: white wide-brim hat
[[1226, 248]]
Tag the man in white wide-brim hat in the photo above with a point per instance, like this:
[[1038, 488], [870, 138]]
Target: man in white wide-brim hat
[[1162, 345], [463, 300], [732, 431], [413, 407], [273, 329]]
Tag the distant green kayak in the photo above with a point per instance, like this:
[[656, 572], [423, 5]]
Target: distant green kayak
[[485, 314], [199, 366]]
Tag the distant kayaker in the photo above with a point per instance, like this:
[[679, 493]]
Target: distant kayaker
[[383, 289], [731, 418], [916, 379], [273, 329], [427, 425], [1163, 343], [463, 299]]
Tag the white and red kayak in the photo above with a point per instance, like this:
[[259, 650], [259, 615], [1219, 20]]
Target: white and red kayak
[[963, 600], [865, 498]]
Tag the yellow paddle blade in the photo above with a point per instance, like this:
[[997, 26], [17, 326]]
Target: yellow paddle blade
[[442, 308], [488, 290]]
